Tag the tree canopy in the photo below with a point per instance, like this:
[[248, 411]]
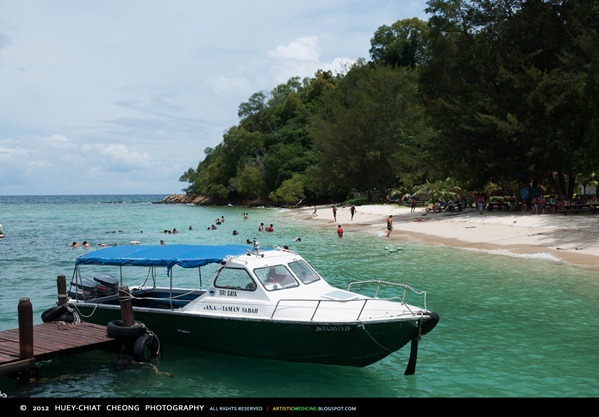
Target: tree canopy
[[502, 92]]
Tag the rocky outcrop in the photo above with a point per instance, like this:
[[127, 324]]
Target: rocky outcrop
[[188, 199], [200, 200]]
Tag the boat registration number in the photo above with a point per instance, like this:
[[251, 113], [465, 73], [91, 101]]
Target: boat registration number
[[334, 329]]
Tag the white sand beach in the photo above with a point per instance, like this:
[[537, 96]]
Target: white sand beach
[[572, 238]]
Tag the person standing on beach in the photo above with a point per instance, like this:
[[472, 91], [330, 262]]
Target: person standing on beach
[[335, 213], [389, 224], [413, 205], [352, 210], [480, 202]]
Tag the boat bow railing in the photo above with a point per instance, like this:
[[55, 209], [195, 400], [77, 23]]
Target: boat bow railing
[[401, 299], [406, 290]]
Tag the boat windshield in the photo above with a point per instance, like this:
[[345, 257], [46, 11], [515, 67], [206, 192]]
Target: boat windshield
[[275, 277], [304, 271], [237, 278]]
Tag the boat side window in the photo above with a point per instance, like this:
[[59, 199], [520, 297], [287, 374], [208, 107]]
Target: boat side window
[[236, 278], [275, 277], [304, 272]]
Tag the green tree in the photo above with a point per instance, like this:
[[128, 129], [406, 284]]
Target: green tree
[[403, 44], [209, 179], [365, 136], [508, 87], [249, 182], [291, 191]]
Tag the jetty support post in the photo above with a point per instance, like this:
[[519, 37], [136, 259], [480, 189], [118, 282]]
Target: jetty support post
[[25, 328], [126, 306], [25, 317], [127, 316], [61, 284]]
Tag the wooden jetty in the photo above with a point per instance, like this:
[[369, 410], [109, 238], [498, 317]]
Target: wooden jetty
[[22, 348], [51, 341]]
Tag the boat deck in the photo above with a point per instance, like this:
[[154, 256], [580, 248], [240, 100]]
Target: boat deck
[[151, 298]]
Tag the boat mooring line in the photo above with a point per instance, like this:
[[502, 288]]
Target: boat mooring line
[[373, 339], [83, 315], [159, 372]]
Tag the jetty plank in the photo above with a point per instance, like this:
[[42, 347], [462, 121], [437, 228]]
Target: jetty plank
[[53, 340]]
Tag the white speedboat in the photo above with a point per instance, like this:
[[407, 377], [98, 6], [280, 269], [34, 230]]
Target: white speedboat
[[265, 304]]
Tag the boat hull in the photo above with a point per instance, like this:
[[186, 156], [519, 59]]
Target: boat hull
[[350, 344]]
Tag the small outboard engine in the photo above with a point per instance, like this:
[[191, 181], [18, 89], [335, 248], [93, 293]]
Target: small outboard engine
[[83, 289], [106, 284]]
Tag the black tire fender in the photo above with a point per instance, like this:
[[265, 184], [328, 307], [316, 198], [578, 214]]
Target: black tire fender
[[58, 313], [146, 348], [116, 329]]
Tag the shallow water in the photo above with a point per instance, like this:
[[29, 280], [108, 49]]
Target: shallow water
[[510, 327]]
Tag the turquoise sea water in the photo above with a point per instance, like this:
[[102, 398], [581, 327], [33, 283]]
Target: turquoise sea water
[[511, 327]]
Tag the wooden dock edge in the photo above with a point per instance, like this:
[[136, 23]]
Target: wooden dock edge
[[17, 366], [22, 363]]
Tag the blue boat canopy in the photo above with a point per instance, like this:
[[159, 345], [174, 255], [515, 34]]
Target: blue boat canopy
[[186, 256]]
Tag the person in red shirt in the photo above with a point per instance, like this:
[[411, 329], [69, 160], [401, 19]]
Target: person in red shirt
[[339, 231]]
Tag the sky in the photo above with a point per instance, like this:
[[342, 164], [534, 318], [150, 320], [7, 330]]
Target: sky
[[123, 97]]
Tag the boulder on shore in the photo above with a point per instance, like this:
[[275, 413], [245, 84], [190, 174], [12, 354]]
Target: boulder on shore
[[187, 199], [200, 200]]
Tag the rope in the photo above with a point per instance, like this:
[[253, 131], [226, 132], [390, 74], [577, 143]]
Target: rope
[[373, 339], [383, 347], [159, 372], [71, 309], [151, 333], [63, 325], [79, 313]]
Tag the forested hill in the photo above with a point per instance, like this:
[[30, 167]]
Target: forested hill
[[484, 95]]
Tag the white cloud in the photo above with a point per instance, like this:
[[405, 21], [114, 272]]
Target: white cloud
[[58, 138], [123, 97], [120, 155], [301, 49], [301, 58]]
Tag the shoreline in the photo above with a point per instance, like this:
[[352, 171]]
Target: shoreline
[[573, 238]]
